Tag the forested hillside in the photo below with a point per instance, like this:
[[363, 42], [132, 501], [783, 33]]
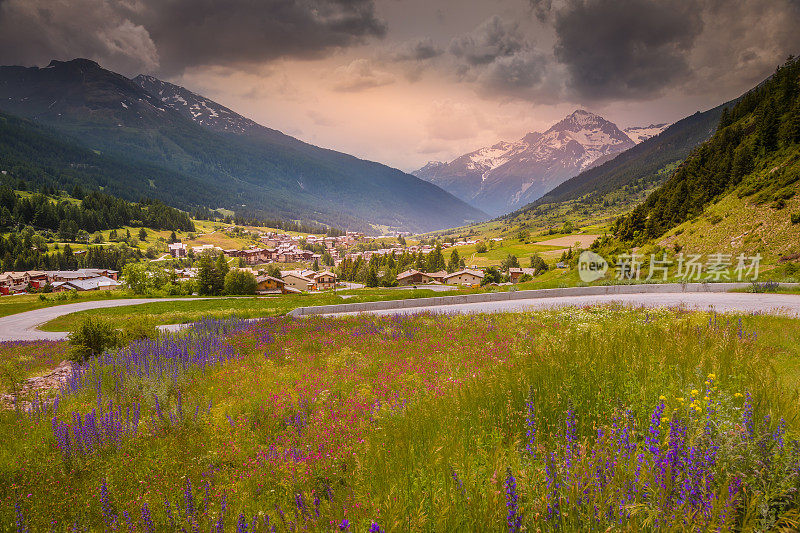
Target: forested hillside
[[43, 157], [95, 211], [753, 152]]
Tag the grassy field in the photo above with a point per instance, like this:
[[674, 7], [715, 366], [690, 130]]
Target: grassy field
[[10, 305], [598, 418]]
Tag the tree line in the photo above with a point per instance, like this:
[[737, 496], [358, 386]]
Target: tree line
[[382, 270], [27, 251], [95, 211]]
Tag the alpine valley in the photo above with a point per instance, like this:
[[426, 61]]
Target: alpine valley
[[190, 152], [509, 175]]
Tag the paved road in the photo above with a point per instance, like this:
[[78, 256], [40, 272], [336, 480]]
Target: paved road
[[22, 326], [724, 302]]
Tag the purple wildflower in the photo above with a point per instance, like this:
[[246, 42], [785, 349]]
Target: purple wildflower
[[108, 513], [147, 519], [531, 423], [189, 498], [20, 521], [653, 436], [553, 486], [514, 520], [747, 416], [241, 526], [345, 525]]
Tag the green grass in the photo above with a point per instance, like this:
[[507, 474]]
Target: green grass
[[180, 312], [415, 422], [11, 305]]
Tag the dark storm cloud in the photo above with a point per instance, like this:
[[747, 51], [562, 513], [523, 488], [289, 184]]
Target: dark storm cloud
[[35, 31], [493, 39], [417, 50], [626, 48], [191, 32], [541, 8], [184, 33], [498, 58]]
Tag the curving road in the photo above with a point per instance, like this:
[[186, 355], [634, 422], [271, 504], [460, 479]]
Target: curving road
[[723, 302], [23, 326]]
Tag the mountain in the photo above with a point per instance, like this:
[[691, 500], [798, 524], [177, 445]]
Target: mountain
[[641, 133], [196, 161], [201, 110], [45, 157], [753, 159], [642, 167], [510, 174]]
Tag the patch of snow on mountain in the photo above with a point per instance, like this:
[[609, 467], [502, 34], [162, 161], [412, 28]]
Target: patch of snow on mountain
[[642, 133]]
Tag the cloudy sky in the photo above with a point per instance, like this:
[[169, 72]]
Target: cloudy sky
[[407, 81]]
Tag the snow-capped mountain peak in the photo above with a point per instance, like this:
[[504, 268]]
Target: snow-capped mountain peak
[[580, 119], [504, 176]]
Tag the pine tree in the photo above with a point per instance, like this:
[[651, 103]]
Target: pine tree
[[768, 128], [742, 163], [455, 260], [726, 119], [791, 129], [435, 261], [372, 277], [205, 275], [220, 270]]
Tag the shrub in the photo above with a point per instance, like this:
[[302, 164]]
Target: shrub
[[480, 247], [138, 330], [491, 275], [538, 263], [92, 337], [767, 286], [510, 261], [240, 282], [795, 218]]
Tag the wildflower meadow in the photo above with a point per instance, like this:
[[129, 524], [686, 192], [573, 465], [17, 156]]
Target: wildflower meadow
[[594, 419]]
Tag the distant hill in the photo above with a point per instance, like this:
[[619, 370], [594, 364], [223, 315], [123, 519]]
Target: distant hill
[[507, 175], [754, 155], [195, 161]]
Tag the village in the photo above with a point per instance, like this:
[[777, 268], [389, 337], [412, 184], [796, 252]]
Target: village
[[281, 264]]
